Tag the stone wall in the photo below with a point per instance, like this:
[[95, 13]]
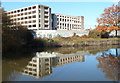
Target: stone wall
[[91, 43]]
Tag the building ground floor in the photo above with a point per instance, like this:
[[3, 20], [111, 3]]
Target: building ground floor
[[59, 33]]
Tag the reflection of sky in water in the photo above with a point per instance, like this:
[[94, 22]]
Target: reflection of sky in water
[[111, 51]]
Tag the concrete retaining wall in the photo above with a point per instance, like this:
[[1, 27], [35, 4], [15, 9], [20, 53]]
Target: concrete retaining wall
[[62, 33]]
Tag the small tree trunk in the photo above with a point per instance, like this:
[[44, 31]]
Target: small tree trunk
[[115, 33]]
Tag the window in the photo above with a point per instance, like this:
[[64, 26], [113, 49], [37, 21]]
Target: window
[[34, 7], [8, 12], [29, 17], [18, 22], [46, 25], [46, 21], [25, 17], [34, 21], [25, 9], [21, 10], [29, 21], [29, 25], [46, 12], [14, 19], [39, 25], [18, 14], [65, 20], [34, 25], [33, 11], [18, 18], [26, 13], [21, 22], [21, 18], [21, 13], [11, 12], [29, 13], [25, 21], [46, 7], [14, 11], [29, 8], [34, 16]]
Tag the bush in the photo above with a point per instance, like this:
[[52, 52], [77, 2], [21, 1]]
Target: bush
[[94, 34]]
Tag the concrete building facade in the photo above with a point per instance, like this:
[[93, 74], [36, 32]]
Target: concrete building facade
[[65, 22], [35, 17], [60, 33], [39, 19]]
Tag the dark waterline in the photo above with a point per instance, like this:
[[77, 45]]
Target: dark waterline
[[64, 64]]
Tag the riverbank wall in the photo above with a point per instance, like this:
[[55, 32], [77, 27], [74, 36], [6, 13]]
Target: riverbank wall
[[89, 43]]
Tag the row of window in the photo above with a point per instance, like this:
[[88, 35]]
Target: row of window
[[21, 10], [66, 17], [25, 22], [26, 13], [25, 9], [28, 17], [24, 18], [68, 24], [35, 26], [68, 20]]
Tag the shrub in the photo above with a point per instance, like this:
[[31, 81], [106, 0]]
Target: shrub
[[94, 34]]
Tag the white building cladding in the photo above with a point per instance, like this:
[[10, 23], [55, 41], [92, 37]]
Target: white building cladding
[[36, 17], [65, 22]]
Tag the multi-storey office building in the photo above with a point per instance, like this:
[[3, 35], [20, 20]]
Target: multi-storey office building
[[65, 22], [36, 17]]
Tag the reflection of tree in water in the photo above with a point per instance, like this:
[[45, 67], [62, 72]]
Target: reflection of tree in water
[[110, 65], [11, 66]]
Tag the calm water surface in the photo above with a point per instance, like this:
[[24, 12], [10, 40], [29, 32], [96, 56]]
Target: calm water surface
[[64, 64]]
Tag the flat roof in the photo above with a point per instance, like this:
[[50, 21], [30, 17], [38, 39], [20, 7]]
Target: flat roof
[[66, 15], [27, 7]]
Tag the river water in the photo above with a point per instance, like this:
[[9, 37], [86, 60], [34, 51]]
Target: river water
[[64, 64]]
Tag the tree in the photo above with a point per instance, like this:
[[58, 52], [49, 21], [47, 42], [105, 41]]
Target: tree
[[13, 37], [109, 20]]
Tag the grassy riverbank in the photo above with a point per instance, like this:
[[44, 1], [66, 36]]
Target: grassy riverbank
[[76, 41]]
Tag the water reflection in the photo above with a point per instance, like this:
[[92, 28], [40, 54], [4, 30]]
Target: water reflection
[[41, 65], [80, 63], [109, 62]]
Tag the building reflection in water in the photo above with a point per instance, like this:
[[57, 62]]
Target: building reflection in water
[[41, 65], [110, 64]]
